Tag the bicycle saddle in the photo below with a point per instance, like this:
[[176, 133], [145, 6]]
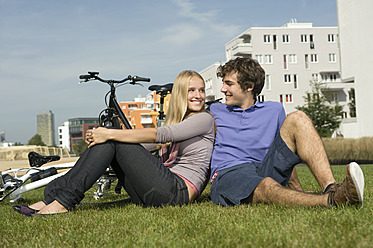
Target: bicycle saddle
[[161, 88], [37, 160], [213, 101]]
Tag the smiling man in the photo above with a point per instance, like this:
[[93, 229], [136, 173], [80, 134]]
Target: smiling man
[[257, 147]]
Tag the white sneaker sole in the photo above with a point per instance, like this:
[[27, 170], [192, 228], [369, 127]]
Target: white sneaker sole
[[358, 180]]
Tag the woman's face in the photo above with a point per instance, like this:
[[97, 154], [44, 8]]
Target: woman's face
[[196, 94]]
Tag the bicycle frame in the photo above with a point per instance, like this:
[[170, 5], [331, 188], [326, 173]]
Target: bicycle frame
[[14, 186]]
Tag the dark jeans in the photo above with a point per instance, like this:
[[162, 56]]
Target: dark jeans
[[145, 178]]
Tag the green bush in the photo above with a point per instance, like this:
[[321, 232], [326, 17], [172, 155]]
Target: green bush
[[342, 150]]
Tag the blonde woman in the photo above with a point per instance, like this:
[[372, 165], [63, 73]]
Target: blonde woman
[[177, 180]]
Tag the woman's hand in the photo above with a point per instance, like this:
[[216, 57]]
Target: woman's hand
[[96, 136], [101, 135]]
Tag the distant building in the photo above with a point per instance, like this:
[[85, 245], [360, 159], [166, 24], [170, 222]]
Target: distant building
[[2, 136], [45, 127], [143, 112], [292, 56], [3, 142], [78, 127], [64, 136]]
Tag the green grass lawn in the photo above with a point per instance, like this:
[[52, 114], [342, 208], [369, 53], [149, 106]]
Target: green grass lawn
[[201, 224]]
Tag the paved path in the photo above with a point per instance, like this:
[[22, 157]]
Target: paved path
[[4, 165]]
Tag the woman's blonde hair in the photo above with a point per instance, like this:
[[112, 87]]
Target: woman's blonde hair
[[178, 105]]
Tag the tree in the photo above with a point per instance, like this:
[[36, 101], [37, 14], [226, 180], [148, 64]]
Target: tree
[[80, 147], [36, 140], [325, 115]]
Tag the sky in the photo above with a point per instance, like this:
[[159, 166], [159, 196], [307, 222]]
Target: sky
[[45, 46]]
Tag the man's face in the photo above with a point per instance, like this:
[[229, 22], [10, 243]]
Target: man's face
[[234, 95]]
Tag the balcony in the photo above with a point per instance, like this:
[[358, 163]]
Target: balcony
[[242, 49], [146, 119]]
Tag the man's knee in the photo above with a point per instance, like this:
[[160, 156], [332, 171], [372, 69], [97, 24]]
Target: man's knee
[[297, 117], [294, 123], [265, 189], [266, 185]]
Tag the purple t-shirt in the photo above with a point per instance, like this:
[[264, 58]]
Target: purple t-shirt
[[244, 135]]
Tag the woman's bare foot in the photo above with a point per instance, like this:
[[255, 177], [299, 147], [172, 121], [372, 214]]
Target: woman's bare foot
[[53, 208], [37, 206]]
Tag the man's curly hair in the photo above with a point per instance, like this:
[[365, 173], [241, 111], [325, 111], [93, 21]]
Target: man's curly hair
[[249, 73]]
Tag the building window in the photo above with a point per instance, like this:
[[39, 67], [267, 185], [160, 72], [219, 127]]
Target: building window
[[303, 38], [268, 82], [267, 38], [329, 77], [209, 83], [285, 38], [261, 98], [314, 58], [306, 61], [315, 76], [332, 57], [259, 58], [289, 98], [285, 62], [312, 44], [295, 79], [274, 42], [287, 78], [268, 59], [333, 97], [331, 38], [292, 58], [333, 77]]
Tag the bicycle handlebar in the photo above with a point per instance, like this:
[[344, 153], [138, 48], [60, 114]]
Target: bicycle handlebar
[[94, 76], [140, 79]]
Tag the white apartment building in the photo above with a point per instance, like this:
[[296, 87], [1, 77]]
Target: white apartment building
[[212, 83], [355, 22], [64, 136], [292, 56]]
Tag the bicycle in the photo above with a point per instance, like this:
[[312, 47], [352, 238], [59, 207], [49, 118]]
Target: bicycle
[[12, 185]]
